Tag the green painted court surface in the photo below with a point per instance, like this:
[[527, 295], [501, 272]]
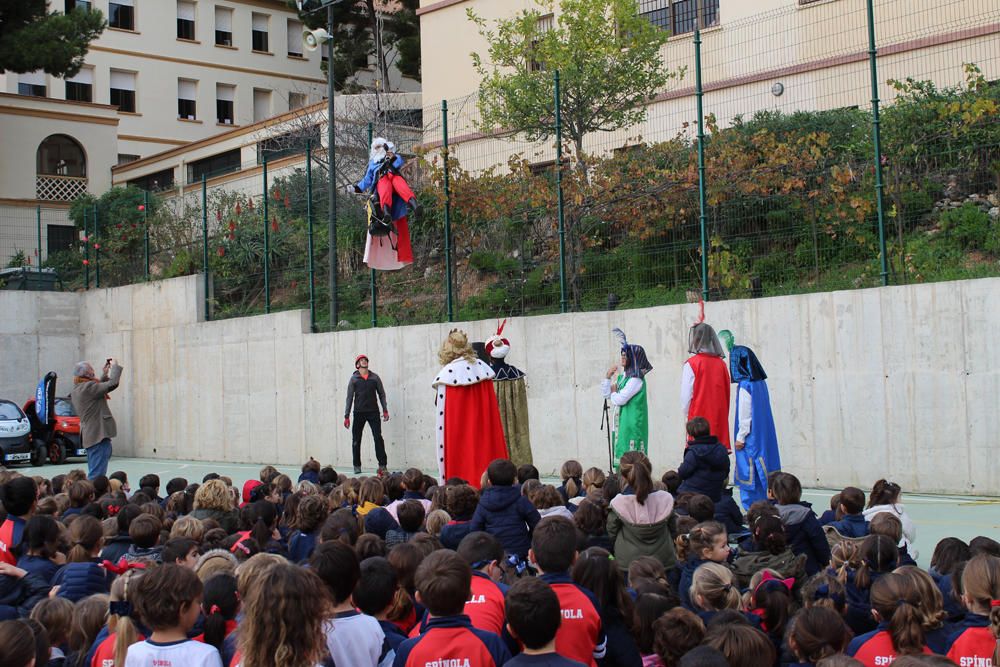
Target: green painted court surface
[[936, 517]]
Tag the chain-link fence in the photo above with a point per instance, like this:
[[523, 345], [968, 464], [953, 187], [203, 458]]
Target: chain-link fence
[[776, 187]]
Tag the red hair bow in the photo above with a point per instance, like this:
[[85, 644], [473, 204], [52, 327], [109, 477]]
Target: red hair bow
[[113, 510], [994, 603], [767, 576], [122, 566]]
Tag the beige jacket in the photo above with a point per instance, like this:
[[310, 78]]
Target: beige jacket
[[90, 402]]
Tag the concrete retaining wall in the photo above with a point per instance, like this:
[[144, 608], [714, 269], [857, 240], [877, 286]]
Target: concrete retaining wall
[[39, 332], [899, 382]]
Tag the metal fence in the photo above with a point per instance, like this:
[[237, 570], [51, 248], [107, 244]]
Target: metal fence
[[814, 147]]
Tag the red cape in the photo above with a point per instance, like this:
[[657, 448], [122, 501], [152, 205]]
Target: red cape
[[473, 433]]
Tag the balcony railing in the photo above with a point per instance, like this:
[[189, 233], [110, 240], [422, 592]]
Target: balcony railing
[[59, 188]]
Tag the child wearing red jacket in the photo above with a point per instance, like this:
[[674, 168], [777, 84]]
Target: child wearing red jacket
[[895, 602], [443, 583], [974, 642]]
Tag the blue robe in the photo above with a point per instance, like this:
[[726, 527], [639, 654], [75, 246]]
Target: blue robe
[[759, 456], [367, 183]]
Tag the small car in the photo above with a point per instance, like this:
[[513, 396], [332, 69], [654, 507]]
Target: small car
[[16, 443]]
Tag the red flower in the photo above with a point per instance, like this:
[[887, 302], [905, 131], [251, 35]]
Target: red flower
[[118, 226], [86, 262], [124, 237], [295, 283], [274, 225], [232, 226], [238, 211], [232, 237], [277, 195], [218, 215], [97, 246], [250, 204], [142, 207], [288, 201], [221, 251]]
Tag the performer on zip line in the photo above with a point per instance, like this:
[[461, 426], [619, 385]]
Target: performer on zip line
[[395, 201]]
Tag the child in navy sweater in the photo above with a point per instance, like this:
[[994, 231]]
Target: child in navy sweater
[[805, 535], [852, 504]]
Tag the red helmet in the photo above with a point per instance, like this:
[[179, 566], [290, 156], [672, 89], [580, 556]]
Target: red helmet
[[357, 359]]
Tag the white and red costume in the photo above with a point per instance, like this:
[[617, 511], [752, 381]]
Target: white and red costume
[[705, 383], [469, 433]]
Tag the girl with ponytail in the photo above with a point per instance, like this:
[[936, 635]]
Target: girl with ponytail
[[83, 574], [878, 555], [976, 640], [713, 589], [707, 542], [220, 604], [122, 627], [895, 605], [638, 516]]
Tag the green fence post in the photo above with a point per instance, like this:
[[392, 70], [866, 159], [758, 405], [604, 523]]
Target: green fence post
[[145, 227], [559, 199], [371, 279], [447, 214], [204, 241], [86, 252], [877, 137], [38, 221], [702, 203], [97, 249], [267, 245], [309, 237]]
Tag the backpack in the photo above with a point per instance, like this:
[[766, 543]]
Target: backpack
[[787, 563]]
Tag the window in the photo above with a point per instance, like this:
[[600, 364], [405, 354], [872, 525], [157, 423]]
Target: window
[[123, 90], [80, 88], [60, 237], [680, 16], [60, 155], [259, 33], [31, 83], [295, 38], [292, 143], [125, 158], [185, 19], [121, 14], [223, 26], [223, 163], [261, 104], [187, 96], [161, 180], [545, 24], [83, 5], [296, 101], [224, 96]]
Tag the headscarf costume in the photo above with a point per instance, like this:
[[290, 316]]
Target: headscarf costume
[[512, 396], [388, 253], [468, 430], [759, 455], [632, 420], [705, 382]]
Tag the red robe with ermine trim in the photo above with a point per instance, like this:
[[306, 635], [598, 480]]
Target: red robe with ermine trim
[[710, 398]]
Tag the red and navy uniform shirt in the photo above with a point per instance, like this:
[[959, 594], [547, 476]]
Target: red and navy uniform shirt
[[10, 538], [581, 635], [972, 644], [875, 648], [485, 607], [451, 641]]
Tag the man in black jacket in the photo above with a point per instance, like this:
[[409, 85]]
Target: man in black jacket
[[365, 392]]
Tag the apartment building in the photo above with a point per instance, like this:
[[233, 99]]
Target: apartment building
[[183, 70], [785, 55]]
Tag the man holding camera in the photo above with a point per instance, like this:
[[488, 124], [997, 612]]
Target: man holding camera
[[90, 401], [365, 392]]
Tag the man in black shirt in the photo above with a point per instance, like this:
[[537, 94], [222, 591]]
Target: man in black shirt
[[365, 392]]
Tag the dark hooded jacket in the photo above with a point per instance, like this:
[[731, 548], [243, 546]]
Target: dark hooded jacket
[[507, 515], [705, 468], [805, 535]]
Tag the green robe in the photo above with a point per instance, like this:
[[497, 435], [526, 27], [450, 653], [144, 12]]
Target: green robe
[[632, 422]]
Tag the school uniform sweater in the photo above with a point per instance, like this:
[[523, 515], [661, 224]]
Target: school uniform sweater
[[581, 635], [485, 607], [451, 640], [971, 643], [874, 649]]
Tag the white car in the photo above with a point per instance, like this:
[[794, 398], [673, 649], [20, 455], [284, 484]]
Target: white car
[[16, 445]]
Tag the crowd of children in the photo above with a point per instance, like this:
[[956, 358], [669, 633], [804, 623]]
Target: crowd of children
[[611, 569]]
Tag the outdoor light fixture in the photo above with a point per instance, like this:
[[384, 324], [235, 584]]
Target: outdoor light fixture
[[777, 89]]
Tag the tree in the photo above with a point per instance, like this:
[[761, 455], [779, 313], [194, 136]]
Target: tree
[[609, 63], [33, 39], [386, 29]]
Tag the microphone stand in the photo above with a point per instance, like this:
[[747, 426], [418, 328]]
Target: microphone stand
[[606, 419]]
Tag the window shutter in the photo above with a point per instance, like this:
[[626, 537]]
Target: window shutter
[[224, 92], [123, 80], [223, 19], [260, 22], [185, 10], [186, 90]]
